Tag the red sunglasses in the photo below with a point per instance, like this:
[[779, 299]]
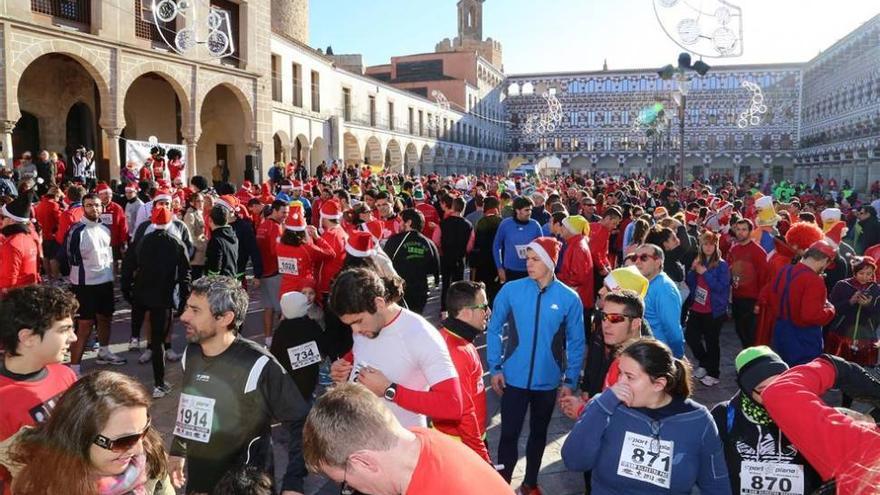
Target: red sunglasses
[[615, 317]]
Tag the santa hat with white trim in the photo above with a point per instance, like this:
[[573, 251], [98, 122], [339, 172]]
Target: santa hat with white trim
[[132, 187], [360, 244], [19, 210], [331, 210], [547, 249], [296, 219], [103, 188], [162, 195]]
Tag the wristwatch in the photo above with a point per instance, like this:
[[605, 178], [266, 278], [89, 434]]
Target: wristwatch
[[390, 392]]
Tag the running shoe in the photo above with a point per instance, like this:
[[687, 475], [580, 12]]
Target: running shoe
[[105, 356], [134, 344], [525, 489], [159, 392], [709, 381], [172, 356], [146, 357], [700, 372]]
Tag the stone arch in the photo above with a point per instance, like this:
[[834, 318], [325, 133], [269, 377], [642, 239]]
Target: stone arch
[[439, 156], [243, 101], [460, 159], [426, 160], [393, 156], [300, 149], [373, 151], [319, 153], [149, 109], [97, 67], [174, 78], [351, 149], [226, 131], [513, 89], [410, 158], [280, 147], [471, 159]]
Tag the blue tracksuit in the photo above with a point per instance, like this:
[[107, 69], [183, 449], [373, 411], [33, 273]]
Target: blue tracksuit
[[538, 323], [682, 450], [663, 312], [512, 237]]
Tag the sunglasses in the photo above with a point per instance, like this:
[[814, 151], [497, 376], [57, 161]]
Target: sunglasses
[[615, 317], [484, 307], [644, 257], [121, 444]]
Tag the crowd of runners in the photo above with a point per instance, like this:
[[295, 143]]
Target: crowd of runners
[[586, 289]]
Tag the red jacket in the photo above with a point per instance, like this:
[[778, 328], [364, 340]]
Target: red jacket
[[748, 269], [19, 257], [268, 234], [69, 217], [431, 216], [576, 270], [298, 265], [836, 445], [808, 296], [778, 259], [48, 214], [336, 238], [599, 239], [114, 217], [472, 426]]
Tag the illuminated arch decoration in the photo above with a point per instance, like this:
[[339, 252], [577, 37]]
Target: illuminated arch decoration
[[219, 40], [539, 125], [752, 116], [442, 103], [711, 28]]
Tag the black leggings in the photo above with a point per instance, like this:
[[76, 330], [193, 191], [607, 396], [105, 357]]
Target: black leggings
[[514, 404], [450, 274], [703, 335], [159, 318]]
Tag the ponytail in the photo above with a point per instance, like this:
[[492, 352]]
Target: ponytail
[[679, 383], [657, 361]]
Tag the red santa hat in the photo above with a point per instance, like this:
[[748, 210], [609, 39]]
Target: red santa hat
[[132, 187], [375, 228], [547, 249], [162, 194], [827, 248], [296, 219], [836, 232], [297, 185], [103, 188], [331, 210], [161, 217], [360, 244], [228, 201]]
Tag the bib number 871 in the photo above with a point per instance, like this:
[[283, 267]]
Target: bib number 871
[[770, 483], [639, 457]]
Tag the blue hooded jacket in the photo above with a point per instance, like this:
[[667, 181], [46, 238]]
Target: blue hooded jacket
[[545, 335], [511, 234], [718, 280]]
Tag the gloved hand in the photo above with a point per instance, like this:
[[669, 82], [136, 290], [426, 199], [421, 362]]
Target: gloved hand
[[854, 380]]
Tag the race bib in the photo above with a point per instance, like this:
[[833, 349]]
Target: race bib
[[304, 355], [356, 370], [766, 478], [701, 295], [646, 459], [521, 250], [288, 266], [107, 218], [195, 417]]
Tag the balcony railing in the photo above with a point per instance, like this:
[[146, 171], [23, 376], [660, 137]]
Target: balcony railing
[[76, 12]]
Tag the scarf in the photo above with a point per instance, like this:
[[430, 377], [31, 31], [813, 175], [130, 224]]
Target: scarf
[[755, 412], [130, 482], [461, 329]]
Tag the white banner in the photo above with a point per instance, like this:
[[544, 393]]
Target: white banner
[[137, 152]]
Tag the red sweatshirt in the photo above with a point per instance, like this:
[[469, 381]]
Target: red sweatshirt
[[336, 238], [576, 270], [599, 238], [836, 445], [748, 269], [298, 265], [114, 218], [69, 217], [48, 214], [268, 234], [808, 296]]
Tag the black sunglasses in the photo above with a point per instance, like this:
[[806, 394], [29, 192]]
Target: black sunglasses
[[121, 444]]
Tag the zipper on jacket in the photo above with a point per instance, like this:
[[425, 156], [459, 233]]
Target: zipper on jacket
[[535, 338]]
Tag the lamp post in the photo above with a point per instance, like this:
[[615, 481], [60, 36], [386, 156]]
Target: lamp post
[[682, 76]]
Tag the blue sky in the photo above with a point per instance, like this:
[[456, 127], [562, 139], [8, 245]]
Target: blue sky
[[577, 35]]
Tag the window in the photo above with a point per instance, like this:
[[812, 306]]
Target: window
[[316, 91], [297, 86], [372, 111], [391, 115], [276, 77], [346, 104]]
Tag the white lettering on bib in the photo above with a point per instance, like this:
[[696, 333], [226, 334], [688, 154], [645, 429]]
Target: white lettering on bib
[[107, 218], [767, 478], [195, 417], [521, 250], [304, 355], [639, 461], [288, 266]]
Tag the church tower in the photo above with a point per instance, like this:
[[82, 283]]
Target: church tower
[[470, 20]]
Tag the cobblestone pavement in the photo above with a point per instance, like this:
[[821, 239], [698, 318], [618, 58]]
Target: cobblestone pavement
[[554, 478]]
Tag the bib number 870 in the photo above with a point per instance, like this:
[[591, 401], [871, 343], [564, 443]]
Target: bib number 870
[[639, 457], [771, 482]]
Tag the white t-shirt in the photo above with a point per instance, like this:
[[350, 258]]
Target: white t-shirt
[[411, 353]]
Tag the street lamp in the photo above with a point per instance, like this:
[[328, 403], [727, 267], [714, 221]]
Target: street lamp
[[682, 76]]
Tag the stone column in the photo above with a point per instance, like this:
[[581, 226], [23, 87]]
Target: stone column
[[192, 145], [255, 150], [8, 154], [114, 158]]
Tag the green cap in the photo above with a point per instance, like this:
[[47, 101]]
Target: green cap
[[749, 354]]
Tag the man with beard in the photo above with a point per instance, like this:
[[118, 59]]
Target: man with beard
[[233, 391], [397, 354], [748, 270]]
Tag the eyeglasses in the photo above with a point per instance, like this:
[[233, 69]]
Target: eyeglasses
[[630, 257], [484, 307], [121, 444], [645, 257], [615, 317], [344, 489]]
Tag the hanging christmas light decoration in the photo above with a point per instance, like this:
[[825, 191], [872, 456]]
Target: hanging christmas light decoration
[[752, 116], [711, 28], [442, 104], [214, 32], [546, 122]]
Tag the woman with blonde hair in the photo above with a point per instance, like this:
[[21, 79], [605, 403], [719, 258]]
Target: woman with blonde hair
[[709, 284]]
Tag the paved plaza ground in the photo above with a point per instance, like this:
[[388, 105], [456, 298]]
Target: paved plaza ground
[[554, 478]]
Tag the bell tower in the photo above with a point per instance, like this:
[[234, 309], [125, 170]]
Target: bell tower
[[470, 20]]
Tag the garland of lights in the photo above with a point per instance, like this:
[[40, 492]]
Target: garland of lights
[[752, 116], [218, 42], [539, 125], [714, 33], [442, 104]]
